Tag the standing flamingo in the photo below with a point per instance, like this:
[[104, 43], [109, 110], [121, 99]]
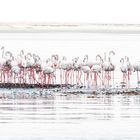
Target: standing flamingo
[[66, 68], [112, 66], [130, 68], [77, 67], [108, 68], [126, 69], [48, 70], [29, 66], [21, 60], [37, 68], [87, 70], [96, 69], [15, 69], [54, 60], [5, 65], [137, 69]]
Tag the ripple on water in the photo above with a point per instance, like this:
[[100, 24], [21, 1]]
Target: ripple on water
[[81, 116]]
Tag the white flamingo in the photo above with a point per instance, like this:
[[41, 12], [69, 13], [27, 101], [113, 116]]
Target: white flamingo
[[125, 68], [137, 69], [86, 68], [30, 68], [108, 67], [47, 70], [55, 64], [77, 67], [37, 68], [87, 62], [130, 68], [66, 68], [15, 69], [5, 65], [96, 69], [21, 60]]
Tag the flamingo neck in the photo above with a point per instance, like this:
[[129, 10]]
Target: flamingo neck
[[3, 53]]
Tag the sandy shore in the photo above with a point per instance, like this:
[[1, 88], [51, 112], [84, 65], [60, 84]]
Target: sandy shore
[[26, 91]]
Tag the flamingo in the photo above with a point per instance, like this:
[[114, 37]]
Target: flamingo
[[96, 68], [77, 67], [86, 69], [108, 67], [87, 62], [29, 66], [125, 69], [5, 64], [37, 67], [21, 60], [67, 67], [130, 68], [48, 70], [2, 63], [137, 69], [54, 60], [112, 66], [15, 69]]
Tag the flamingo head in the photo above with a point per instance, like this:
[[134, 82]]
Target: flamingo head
[[28, 55], [104, 56], [36, 57], [98, 56], [9, 54], [57, 57], [48, 60], [64, 58], [2, 47], [86, 56], [127, 58], [21, 52], [122, 60], [111, 52]]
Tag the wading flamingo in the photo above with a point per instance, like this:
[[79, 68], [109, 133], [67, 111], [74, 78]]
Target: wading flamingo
[[48, 70], [137, 69]]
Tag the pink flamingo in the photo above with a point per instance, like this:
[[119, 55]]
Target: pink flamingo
[[112, 67], [54, 60], [37, 68], [77, 67], [21, 60], [87, 70], [65, 68], [29, 67], [48, 70], [126, 70], [108, 68], [130, 68], [15, 70], [5, 65], [96, 69]]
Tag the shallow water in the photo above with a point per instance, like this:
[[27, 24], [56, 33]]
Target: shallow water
[[71, 117]]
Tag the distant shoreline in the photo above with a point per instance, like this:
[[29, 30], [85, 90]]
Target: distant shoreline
[[69, 27]]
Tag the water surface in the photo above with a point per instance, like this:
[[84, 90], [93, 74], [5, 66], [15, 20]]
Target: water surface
[[71, 117]]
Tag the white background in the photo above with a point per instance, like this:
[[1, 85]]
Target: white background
[[89, 11]]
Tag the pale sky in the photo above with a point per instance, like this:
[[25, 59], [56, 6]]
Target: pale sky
[[87, 11]]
